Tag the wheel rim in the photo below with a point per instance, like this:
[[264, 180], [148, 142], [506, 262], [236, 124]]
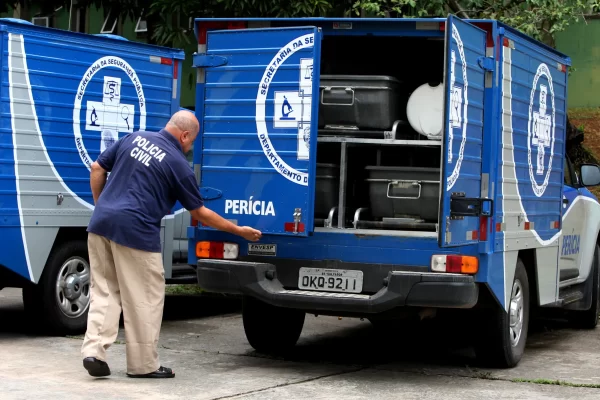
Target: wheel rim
[[73, 287], [516, 313]]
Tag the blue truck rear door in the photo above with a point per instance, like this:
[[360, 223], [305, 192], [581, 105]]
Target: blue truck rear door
[[462, 159], [258, 153]]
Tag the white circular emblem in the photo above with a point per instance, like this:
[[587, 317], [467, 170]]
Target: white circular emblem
[[299, 43], [540, 131], [456, 103], [109, 116]]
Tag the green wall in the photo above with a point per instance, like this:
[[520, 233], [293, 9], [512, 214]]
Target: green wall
[[581, 42], [95, 19], [188, 77]]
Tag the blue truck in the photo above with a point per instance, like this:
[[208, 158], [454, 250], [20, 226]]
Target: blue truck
[[65, 98], [393, 166]]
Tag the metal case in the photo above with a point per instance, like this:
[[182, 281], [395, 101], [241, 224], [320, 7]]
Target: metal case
[[404, 192], [359, 101]]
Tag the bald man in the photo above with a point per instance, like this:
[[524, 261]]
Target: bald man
[[148, 174]]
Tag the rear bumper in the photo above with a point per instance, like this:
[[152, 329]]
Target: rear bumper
[[415, 289]]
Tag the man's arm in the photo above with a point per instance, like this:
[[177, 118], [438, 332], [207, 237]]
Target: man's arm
[[188, 194], [102, 166], [214, 220], [97, 180]]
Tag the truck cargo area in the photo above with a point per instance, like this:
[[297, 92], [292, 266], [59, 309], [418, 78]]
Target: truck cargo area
[[366, 127], [374, 170]]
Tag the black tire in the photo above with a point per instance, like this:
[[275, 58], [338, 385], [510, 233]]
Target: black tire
[[42, 300], [270, 329], [588, 319], [494, 347]]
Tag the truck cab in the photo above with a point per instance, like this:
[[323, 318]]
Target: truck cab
[[392, 165]]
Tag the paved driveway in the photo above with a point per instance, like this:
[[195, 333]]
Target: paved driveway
[[203, 341]]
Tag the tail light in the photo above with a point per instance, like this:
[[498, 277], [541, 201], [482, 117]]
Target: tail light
[[455, 264], [218, 250]]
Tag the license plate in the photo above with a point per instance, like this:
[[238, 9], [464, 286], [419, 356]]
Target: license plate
[[330, 280]]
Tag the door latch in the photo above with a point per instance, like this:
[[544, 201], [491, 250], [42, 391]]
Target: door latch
[[297, 219], [461, 206]]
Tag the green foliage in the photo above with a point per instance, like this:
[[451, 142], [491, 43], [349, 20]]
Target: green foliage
[[126, 8], [175, 31], [172, 28], [283, 9], [168, 19], [540, 19]]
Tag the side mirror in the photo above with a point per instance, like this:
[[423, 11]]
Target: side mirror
[[590, 175]]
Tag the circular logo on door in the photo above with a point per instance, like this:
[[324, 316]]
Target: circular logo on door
[[291, 109], [541, 130], [459, 101], [105, 111]]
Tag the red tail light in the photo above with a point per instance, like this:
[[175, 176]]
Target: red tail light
[[455, 264], [218, 250]]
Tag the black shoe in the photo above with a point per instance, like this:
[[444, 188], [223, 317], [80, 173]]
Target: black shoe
[[95, 367], [161, 372]]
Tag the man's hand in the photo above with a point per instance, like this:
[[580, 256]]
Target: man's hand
[[214, 220], [250, 234]]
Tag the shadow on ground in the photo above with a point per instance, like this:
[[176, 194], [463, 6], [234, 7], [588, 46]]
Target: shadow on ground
[[443, 342]]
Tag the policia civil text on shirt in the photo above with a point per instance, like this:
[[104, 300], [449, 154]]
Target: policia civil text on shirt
[[148, 174]]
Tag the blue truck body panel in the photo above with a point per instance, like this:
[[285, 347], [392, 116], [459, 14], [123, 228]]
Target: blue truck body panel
[[503, 142], [540, 178], [65, 97], [232, 152], [464, 102]]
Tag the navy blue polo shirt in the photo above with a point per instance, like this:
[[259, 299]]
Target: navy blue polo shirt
[[148, 174]]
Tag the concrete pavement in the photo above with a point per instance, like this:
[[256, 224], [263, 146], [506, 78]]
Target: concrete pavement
[[203, 340]]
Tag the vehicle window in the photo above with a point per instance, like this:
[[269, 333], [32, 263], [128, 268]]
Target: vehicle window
[[568, 173]]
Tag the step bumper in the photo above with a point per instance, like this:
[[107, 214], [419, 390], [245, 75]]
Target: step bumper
[[415, 289]]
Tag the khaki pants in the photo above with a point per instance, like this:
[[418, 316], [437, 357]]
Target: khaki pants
[[134, 280]]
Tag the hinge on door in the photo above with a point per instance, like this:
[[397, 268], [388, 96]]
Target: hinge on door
[[208, 61], [209, 193], [297, 218], [486, 63], [461, 206]]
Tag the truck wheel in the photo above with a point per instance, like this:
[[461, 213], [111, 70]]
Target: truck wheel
[[588, 319], [270, 329], [504, 335], [62, 296]]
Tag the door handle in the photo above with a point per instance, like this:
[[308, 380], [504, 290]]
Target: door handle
[[565, 201]]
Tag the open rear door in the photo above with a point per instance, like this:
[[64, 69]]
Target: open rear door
[[258, 153], [461, 204]]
